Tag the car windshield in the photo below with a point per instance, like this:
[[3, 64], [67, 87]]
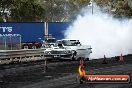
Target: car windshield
[[70, 42], [50, 40], [59, 45]]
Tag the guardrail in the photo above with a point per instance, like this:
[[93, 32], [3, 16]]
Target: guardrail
[[8, 56]]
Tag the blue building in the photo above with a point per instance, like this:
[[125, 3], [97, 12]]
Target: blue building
[[57, 29], [31, 31]]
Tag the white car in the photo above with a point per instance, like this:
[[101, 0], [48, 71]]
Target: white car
[[77, 49], [57, 53]]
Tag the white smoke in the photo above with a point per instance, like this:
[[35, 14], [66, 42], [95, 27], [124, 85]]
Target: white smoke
[[106, 35]]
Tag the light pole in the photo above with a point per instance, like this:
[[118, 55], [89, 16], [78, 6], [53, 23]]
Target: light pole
[[92, 6], [5, 42], [20, 41], [11, 41]]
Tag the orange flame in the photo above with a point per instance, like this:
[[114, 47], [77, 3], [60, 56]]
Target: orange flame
[[81, 69]]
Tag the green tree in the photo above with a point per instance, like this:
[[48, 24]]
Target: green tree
[[57, 10], [1, 20], [23, 10], [130, 3], [122, 9], [62, 10], [119, 8]]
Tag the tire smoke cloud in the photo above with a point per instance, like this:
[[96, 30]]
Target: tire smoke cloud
[[107, 35]]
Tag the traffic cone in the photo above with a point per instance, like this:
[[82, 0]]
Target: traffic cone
[[117, 58], [121, 58], [104, 61], [81, 61], [104, 57]]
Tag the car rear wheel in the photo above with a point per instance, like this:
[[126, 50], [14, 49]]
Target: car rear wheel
[[87, 59], [74, 55]]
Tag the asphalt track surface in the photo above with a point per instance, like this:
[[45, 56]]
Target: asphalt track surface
[[61, 74]]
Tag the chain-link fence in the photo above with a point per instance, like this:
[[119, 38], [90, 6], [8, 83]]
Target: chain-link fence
[[10, 42]]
